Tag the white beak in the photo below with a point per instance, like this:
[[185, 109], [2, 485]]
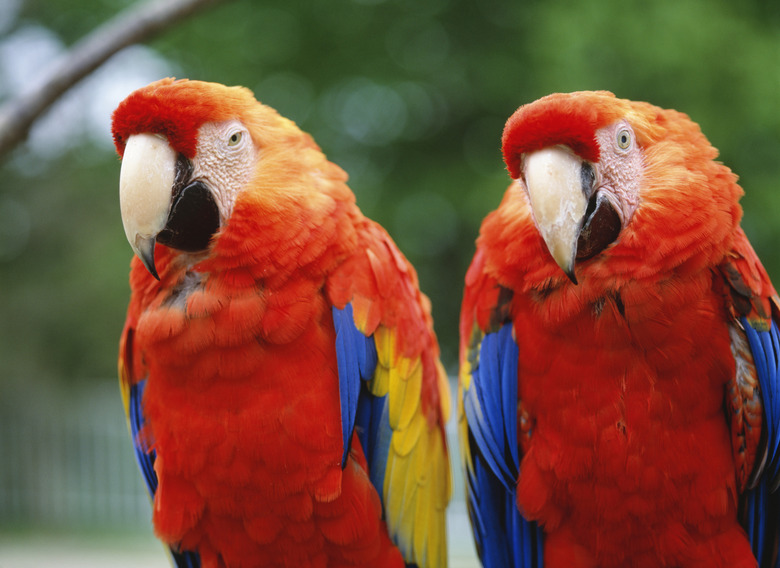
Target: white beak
[[145, 186], [553, 178]]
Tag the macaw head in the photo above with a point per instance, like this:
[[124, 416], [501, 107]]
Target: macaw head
[[194, 152], [599, 171]]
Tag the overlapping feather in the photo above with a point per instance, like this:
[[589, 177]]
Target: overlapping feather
[[380, 400], [488, 409]]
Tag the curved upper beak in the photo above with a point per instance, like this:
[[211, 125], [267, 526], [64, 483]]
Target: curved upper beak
[[559, 191], [145, 184]]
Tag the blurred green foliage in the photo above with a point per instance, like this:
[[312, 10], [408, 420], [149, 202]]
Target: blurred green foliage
[[410, 97]]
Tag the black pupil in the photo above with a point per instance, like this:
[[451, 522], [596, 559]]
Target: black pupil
[[234, 138]]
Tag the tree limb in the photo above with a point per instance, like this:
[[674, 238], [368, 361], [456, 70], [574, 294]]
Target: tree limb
[[138, 23]]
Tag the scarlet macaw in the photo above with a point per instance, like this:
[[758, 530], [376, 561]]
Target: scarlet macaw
[[619, 401], [278, 364]]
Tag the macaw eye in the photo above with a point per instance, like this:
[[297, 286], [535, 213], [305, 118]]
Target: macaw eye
[[235, 138], [624, 138]]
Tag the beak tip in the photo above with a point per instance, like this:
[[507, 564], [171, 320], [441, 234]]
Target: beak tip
[[566, 262], [153, 271], [144, 250]]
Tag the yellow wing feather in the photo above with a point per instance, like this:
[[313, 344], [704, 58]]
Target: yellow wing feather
[[405, 386], [464, 384], [124, 389], [123, 368], [417, 482]]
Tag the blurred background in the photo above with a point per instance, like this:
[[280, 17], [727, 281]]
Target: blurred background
[[409, 96]]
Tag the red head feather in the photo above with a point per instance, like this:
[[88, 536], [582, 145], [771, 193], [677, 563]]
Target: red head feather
[[570, 119], [176, 109]]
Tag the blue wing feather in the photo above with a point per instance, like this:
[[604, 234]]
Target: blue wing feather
[[490, 398], [186, 559], [361, 411], [509, 392], [145, 458], [349, 349], [484, 440], [771, 343], [504, 537], [372, 424], [762, 522], [143, 455]]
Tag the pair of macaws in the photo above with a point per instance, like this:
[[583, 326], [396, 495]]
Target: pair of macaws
[[618, 404]]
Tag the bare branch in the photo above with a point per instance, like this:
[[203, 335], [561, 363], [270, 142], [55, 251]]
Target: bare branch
[[134, 25]]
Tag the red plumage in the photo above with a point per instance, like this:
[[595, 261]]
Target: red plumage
[[627, 458], [236, 345], [172, 109], [554, 120]]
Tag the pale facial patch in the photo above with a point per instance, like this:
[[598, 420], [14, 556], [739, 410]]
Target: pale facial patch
[[225, 159], [620, 169]]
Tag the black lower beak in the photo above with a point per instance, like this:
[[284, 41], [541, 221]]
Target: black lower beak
[[193, 220], [600, 229]]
